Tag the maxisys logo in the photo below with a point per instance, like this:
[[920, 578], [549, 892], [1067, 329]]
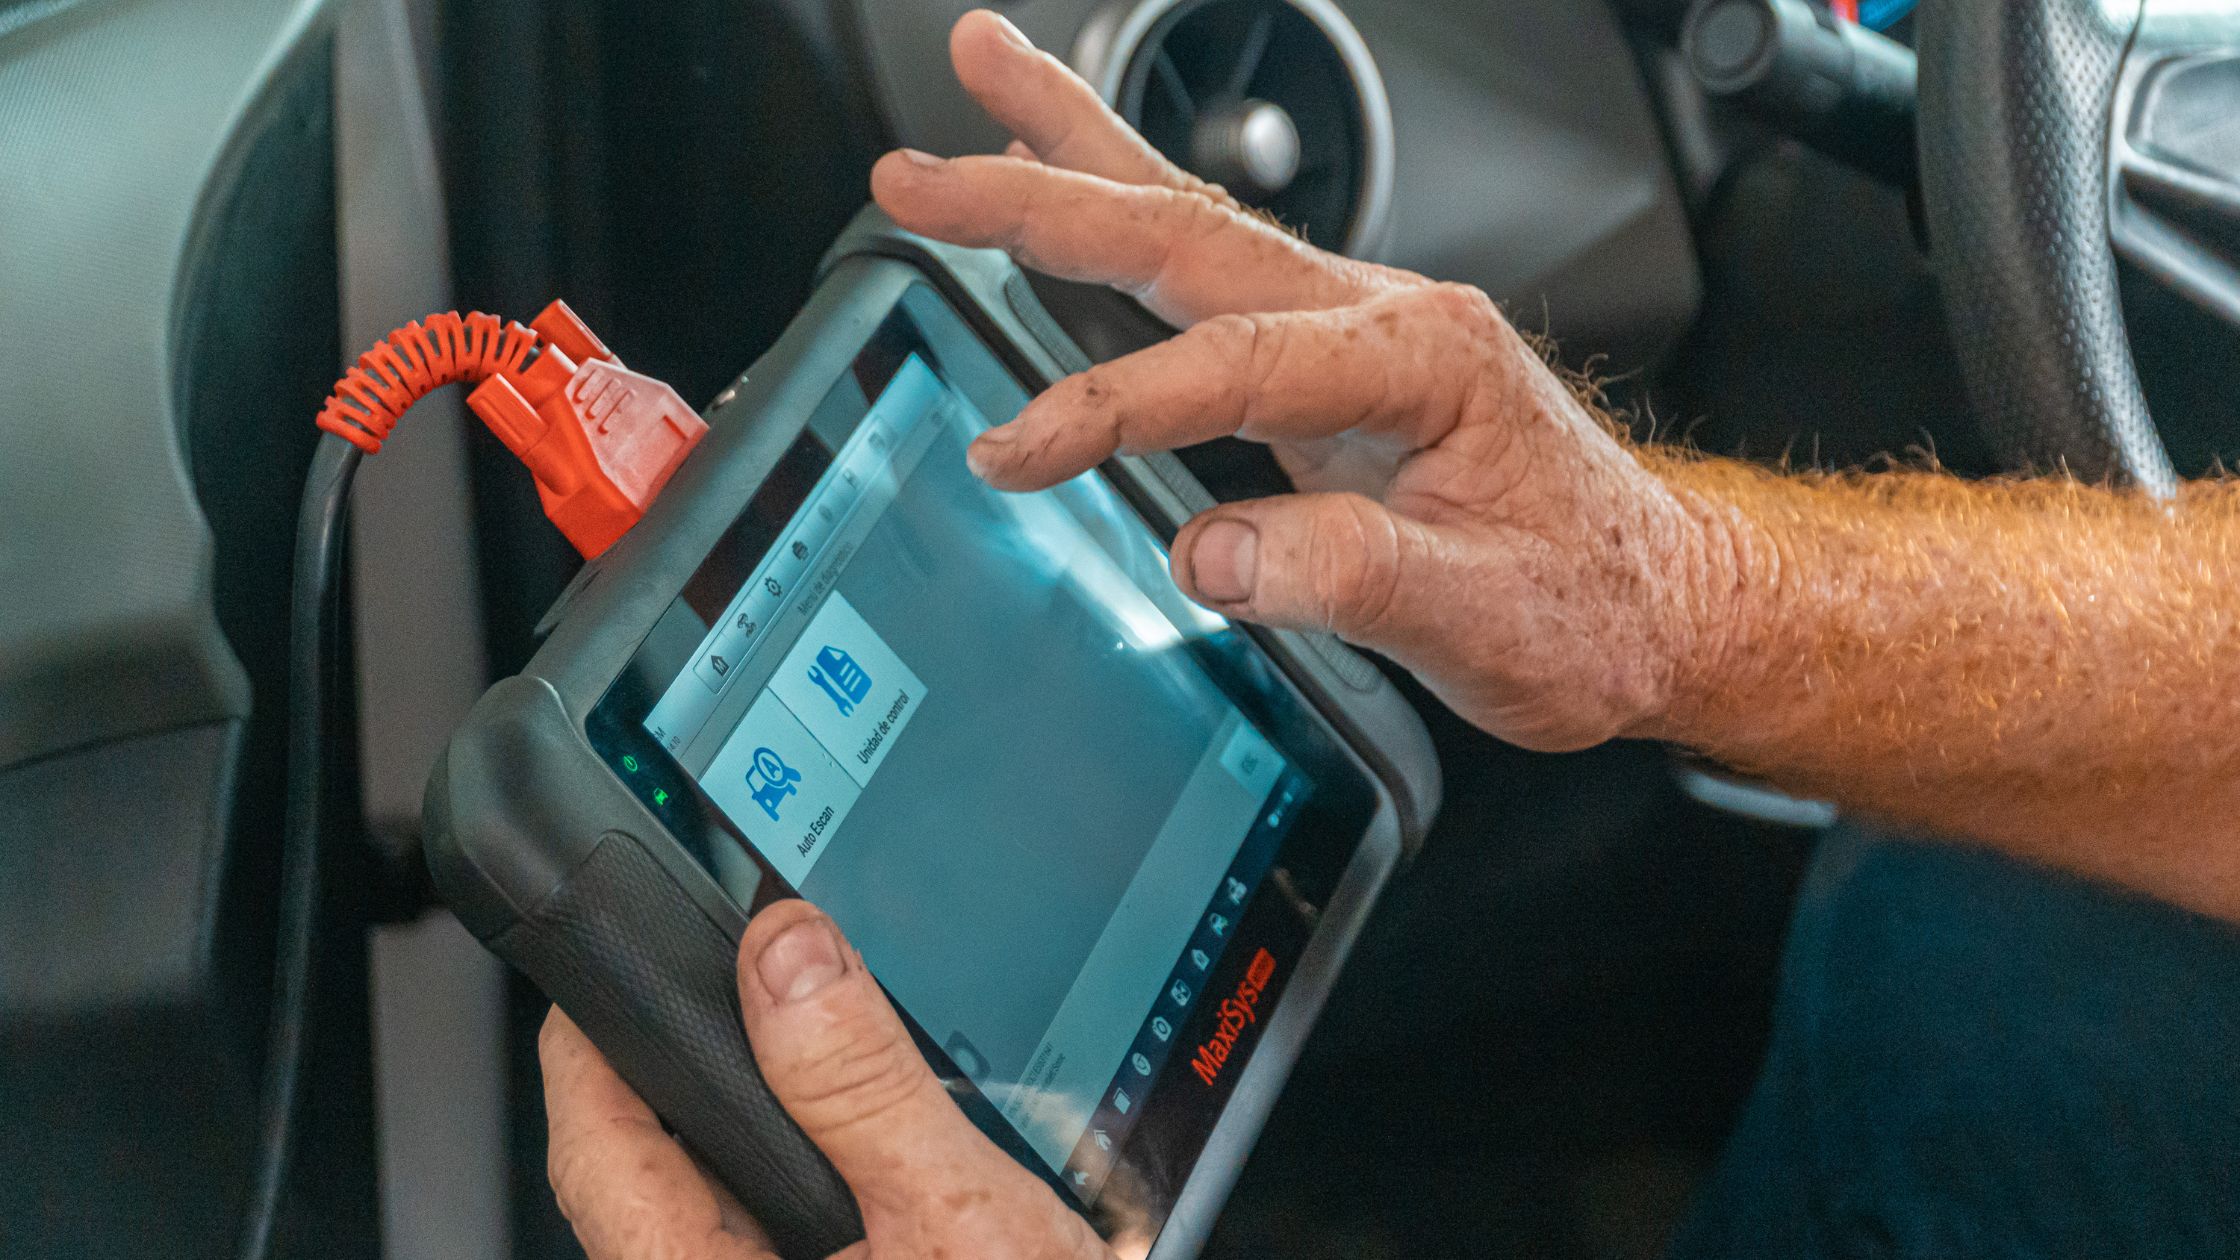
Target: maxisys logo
[[1236, 1013]]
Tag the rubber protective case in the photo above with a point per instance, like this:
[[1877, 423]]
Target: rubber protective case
[[559, 869]]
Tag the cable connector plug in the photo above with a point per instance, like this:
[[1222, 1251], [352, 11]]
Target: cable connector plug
[[600, 439]]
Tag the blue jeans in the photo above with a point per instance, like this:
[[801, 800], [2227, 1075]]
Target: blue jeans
[[1973, 1057]]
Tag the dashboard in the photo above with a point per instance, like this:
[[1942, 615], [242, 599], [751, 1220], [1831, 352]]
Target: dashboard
[[1524, 155]]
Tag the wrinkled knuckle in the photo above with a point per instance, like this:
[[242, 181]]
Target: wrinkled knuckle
[[1234, 340], [1235, 347], [1475, 334], [872, 1071], [1463, 306], [1352, 565], [1203, 214], [1193, 222], [1167, 216]]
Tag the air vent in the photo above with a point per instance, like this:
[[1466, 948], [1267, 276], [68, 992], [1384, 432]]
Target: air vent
[[1275, 100]]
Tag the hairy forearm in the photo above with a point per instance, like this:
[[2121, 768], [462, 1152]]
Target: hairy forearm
[[2048, 668]]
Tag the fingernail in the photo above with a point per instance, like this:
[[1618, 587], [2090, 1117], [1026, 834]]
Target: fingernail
[[1011, 32], [801, 960], [1224, 561], [986, 450], [919, 157]]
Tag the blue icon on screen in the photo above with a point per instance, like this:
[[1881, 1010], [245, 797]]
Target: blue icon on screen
[[771, 781], [841, 678]]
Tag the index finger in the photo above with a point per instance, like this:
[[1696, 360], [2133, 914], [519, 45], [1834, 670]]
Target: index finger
[[1400, 371], [1184, 255]]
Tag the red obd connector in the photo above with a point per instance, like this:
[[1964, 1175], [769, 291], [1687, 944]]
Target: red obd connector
[[600, 439]]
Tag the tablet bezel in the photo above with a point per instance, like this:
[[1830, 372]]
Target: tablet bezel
[[1158, 1161]]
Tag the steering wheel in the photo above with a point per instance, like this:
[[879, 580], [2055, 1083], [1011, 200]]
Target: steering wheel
[[2056, 135]]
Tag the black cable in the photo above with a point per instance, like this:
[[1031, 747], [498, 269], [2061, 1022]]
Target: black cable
[[311, 668]]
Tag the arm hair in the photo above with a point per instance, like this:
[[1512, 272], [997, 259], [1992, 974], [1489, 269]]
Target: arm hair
[[2042, 666]]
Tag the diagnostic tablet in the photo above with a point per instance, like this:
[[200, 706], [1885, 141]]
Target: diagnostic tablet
[[1099, 845]]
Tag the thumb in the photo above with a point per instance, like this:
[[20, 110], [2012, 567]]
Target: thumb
[[1337, 562], [838, 1057]]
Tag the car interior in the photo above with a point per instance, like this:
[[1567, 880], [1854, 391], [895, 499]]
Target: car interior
[[1746, 223]]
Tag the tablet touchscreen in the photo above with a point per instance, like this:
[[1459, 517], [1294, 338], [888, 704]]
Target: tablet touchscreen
[[1040, 790]]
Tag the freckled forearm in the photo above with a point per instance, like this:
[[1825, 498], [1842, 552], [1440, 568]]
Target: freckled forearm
[[2046, 668]]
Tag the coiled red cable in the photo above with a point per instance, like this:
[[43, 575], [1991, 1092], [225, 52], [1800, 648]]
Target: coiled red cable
[[415, 361]]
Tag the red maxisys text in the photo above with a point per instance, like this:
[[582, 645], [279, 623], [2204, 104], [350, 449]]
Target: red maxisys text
[[1236, 1014]]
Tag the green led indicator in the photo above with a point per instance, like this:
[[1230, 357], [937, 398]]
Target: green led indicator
[[630, 763], [661, 796]]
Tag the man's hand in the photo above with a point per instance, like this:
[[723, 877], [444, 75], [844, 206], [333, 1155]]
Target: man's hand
[[829, 1044], [1460, 512], [2043, 666]]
